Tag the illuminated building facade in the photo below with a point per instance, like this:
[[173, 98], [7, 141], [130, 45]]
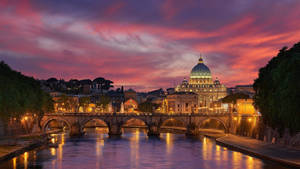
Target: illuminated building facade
[[182, 102], [201, 83], [245, 106], [130, 105]]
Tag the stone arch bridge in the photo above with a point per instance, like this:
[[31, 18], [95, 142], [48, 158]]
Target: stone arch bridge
[[153, 121]]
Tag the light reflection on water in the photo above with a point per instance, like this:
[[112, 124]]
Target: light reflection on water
[[134, 150]]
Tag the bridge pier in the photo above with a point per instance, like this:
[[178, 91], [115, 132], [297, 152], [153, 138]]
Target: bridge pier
[[153, 130], [76, 130], [114, 130], [192, 130]]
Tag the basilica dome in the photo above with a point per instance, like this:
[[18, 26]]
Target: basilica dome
[[200, 71]]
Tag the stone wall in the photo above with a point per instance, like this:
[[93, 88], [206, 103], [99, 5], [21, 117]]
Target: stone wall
[[267, 134], [272, 136]]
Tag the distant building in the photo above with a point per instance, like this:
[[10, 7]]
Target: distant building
[[170, 90], [201, 83], [130, 105], [246, 89], [182, 102]]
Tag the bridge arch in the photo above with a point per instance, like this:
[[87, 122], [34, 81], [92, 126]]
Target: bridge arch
[[84, 122], [174, 120], [221, 121], [126, 120], [58, 119]]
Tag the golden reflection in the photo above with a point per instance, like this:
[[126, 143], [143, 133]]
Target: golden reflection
[[60, 155], [14, 162], [169, 142], [218, 148], [25, 160], [207, 149], [204, 149], [63, 139], [237, 159], [225, 155], [134, 147], [218, 154], [99, 145], [250, 162], [53, 151], [137, 135]]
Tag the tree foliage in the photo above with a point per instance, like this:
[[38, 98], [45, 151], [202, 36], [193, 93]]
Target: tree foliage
[[103, 101], [147, 106], [278, 90], [67, 102], [20, 94], [84, 101]]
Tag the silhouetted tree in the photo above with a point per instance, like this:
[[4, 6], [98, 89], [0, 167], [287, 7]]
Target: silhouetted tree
[[20, 94], [278, 90]]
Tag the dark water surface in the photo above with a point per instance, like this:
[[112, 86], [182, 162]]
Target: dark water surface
[[135, 150]]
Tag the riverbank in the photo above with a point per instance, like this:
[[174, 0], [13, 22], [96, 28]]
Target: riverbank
[[12, 147], [281, 154]]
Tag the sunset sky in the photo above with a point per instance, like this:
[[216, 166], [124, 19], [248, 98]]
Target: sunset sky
[[145, 44]]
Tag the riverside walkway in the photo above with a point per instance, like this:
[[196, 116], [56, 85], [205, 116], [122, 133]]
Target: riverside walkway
[[285, 155], [14, 146]]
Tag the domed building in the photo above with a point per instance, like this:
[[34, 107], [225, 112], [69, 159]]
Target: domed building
[[201, 83]]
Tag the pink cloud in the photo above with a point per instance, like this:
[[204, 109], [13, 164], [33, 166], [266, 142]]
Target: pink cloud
[[144, 54]]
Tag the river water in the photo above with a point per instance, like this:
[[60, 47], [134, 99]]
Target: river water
[[134, 150]]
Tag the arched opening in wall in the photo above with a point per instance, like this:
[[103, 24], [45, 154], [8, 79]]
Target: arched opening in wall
[[95, 125], [135, 126], [245, 126], [56, 124], [212, 126]]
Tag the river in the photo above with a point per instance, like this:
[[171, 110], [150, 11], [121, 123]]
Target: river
[[134, 150]]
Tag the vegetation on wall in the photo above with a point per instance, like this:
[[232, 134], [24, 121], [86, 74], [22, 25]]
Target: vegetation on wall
[[278, 90]]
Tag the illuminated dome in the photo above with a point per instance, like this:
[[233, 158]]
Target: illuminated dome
[[200, 70]]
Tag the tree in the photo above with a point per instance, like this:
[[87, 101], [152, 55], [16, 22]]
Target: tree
[[103, 84], [20, 95], [277, 90], [84, 102], [68, 103], [147, 106], [103, 101]]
